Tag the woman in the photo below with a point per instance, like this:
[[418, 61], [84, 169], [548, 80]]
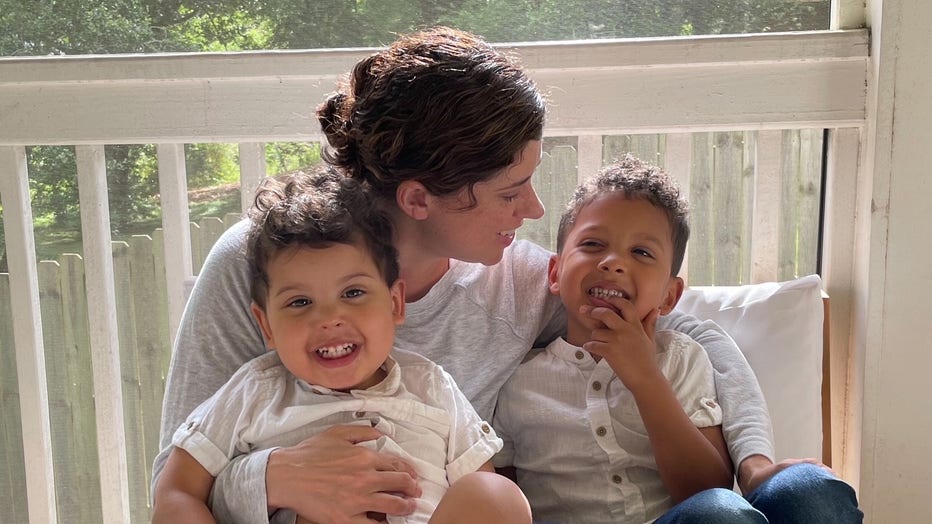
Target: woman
[[447, 132]]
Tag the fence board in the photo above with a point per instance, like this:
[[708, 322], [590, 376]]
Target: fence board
[[554, 183], [206, 233], [701, 247], [78, 482], [131, 373], [152, 342], [648, 148], [13, 507]]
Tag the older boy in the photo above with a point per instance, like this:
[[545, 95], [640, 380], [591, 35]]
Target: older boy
[[639, 422]]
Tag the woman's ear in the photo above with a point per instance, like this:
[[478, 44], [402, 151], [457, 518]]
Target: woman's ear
[[411, 197], [674, 291]]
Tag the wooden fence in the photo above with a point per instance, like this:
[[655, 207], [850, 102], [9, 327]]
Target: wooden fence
[[729, 189]]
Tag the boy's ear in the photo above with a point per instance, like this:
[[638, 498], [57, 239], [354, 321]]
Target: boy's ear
[[411, 197], [263, 321], [674, 291], [553, 274], [397, 291]]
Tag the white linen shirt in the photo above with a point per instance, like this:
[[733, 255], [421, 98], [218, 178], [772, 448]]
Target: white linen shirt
[[574, 434], [426, 419]]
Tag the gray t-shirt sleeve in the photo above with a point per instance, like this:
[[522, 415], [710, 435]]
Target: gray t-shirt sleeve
[[746, 421], [217, 335]]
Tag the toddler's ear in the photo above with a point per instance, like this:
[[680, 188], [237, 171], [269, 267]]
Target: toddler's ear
[[553, 274], [263, 322], [674, 291]]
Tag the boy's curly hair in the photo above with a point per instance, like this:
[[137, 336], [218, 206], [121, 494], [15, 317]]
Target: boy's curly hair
[[636, 180], [315, 210]]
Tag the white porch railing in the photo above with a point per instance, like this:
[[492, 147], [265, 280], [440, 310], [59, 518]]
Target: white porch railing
[[761, 84]]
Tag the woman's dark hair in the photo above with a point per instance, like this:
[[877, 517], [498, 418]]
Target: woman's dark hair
[[634, 179], [441, 107], [315, 210]]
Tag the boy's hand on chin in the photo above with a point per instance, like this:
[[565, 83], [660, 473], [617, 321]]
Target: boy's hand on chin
[[627, 345]]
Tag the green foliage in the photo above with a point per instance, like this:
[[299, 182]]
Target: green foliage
[[282, 157]]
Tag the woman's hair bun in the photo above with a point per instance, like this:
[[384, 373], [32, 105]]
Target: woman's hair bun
[[332, 116]]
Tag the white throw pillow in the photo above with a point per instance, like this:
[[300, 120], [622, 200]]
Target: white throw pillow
[[778, 326]]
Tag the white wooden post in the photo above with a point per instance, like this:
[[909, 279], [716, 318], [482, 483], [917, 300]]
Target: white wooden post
[[103, 333], [173, 187], [252, 170], [27, 334], [838, 274]]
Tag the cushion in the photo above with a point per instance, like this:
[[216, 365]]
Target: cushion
[[778, 326]]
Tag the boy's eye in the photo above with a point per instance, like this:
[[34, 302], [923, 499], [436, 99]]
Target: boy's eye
[[353, 293], [299, 302], [590, 243], [643, 253], [509, 198]]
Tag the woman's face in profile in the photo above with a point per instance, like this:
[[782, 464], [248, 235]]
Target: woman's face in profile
[[482, 232]]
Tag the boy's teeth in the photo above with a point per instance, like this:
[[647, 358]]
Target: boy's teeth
[[336, 351], [599, 292], [507, 233]]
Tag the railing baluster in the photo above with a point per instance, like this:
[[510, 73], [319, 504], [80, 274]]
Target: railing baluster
[[27, 334], [173, 187], [252, 170], [103, 333]]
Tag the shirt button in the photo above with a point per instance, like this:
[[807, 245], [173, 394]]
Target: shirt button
[[359, 414], [710, 403], [579, 355], [485, 428], [597, 385], [600, 431], [616, 479]]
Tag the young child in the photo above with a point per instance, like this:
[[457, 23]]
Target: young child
[[637, 410], [327, 299]]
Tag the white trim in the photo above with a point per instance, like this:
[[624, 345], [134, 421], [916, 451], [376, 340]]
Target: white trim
[[768, 81]]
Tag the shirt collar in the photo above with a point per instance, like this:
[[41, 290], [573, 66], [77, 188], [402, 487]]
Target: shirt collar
[[387, 387]]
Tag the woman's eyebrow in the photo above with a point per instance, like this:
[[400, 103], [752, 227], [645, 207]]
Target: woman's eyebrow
[[516, 184]]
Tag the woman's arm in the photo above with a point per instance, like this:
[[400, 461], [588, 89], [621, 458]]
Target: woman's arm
[[745, 419]]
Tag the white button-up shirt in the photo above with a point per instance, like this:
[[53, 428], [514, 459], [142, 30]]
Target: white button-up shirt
[[575, 436], [426, 420]]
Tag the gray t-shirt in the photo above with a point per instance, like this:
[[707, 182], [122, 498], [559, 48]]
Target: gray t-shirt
[[478, 322]]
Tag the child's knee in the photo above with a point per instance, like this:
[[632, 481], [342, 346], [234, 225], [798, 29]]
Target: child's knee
[[483, 497]]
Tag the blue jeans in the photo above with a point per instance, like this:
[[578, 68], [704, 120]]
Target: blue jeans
[[802, 493]]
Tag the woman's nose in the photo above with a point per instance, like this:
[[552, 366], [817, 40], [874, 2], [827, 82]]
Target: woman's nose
[[532, 208]]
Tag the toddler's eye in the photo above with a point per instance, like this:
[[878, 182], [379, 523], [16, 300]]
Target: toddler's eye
[[353, 293], [643, 253], [299, 302]]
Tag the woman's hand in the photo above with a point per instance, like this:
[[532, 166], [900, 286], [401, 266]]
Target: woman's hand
[[327, 478]]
